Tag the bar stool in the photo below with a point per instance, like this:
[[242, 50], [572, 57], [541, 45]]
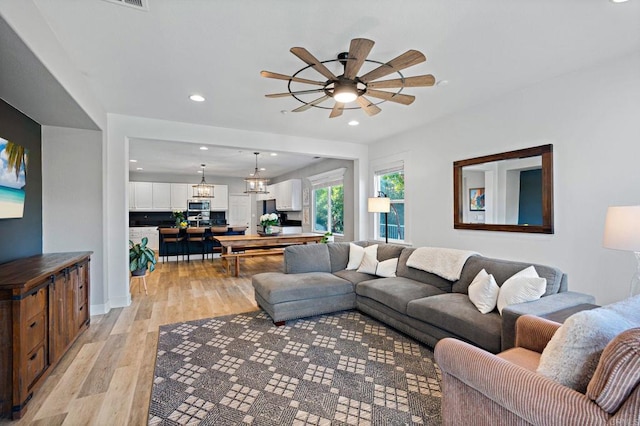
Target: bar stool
[[196, 235], [169, 236]]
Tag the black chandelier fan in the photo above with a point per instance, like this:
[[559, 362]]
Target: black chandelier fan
[[349, 87]]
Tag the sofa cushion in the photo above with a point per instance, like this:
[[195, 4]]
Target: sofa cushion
[[503, 270], [369, 260], [483, 292], [354, 277], [395, 293], [297, 259], [387, 268], [524, 286], [418, 275], [275, 287], [339, 254], [455, 313], [388, 251], [356, 254], [571, 356], [618, 372]]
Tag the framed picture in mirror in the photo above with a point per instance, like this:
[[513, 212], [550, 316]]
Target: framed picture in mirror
[[476, 199]]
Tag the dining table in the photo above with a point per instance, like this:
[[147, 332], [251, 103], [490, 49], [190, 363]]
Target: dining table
[[236, 246]]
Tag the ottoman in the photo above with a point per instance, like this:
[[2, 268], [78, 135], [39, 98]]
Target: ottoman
[[291, 296]]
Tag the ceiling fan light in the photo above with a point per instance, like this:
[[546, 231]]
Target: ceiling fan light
[[344, 95]]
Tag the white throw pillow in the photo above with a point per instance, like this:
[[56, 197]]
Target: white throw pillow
[[483, 292], [369, 260], [387, 268], [524, 286], [572, 355], [356, 253]]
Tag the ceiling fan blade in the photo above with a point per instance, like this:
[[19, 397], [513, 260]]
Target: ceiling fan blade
[[337, 110], [285, 94], [358, 52], [393, 97], [367, 106], [407, 59], [269, 74], [311, 104], [417, 81], [307, 57]]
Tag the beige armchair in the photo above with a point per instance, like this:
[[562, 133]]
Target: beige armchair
[[480, 388]]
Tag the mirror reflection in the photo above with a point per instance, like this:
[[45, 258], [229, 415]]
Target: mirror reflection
[[511, 191]]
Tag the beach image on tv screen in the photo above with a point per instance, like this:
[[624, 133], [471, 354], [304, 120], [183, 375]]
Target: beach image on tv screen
[[13, 178]]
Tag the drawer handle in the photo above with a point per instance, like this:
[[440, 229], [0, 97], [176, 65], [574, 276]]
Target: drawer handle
[[33, 356], [34, 324], [81, 308], [81, 287]]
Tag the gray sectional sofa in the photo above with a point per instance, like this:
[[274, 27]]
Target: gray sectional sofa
[[420, 304]]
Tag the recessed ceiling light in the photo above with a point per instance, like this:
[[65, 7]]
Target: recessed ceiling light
[[442, 83], [197, 98], [139, 168], [204, 148], [618, 1], [353, 123], [199, 171], [133, 161], [262, 169], [274, 154], [284, 111]]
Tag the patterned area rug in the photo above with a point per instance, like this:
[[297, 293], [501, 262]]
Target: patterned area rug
[[342, 368]]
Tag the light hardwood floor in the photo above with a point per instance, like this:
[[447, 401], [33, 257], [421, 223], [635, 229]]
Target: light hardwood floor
[[106, 377]]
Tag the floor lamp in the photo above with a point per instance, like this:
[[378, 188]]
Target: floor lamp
[[622, 232], [381, 204]]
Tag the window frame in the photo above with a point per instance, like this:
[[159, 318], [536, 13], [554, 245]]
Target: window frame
[[377, 223]]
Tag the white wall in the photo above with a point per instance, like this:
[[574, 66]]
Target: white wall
[[72, 199], [591, 118]]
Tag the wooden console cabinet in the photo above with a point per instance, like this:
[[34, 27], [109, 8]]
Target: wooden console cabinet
[[44, 306]]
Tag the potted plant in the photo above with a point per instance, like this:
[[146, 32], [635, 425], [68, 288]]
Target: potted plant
[[267, 221], [141, 257], [178, 215], [327, 238]]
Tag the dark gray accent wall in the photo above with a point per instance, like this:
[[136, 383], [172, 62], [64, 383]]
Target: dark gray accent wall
[[23, 237]]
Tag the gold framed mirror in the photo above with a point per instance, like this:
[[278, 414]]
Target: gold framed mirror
[[511, 191]]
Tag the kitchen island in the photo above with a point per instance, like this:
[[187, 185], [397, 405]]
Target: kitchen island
[[211, 245]]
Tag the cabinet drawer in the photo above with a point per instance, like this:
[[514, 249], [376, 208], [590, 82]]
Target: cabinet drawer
[[33, 332], [35, 364], [33, 304]]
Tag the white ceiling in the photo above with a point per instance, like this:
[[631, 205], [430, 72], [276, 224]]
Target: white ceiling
[[146, 63]]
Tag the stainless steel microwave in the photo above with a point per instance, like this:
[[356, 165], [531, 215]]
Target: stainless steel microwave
[[199, 205]]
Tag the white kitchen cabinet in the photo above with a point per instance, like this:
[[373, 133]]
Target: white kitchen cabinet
[[179, 196], [269, 196], [289, 195], [143, 196], [220, 199], [161, 196]]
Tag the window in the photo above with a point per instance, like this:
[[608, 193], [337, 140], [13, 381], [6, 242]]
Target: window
[[390, 182], [328, 202]]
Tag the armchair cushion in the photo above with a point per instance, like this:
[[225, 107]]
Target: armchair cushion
[[573, 352], [618, 371]]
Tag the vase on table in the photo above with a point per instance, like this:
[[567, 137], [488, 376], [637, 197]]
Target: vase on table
[[268, 229]]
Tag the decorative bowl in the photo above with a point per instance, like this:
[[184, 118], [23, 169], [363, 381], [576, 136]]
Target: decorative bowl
[[273, 234]]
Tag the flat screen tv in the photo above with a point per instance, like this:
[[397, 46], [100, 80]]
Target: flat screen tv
[[13, 178]]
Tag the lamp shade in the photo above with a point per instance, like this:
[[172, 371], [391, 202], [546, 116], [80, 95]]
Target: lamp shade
[[622, 228], [379, 205]]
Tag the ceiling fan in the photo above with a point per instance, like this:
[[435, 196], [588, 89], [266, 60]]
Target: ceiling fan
[[349, 87]]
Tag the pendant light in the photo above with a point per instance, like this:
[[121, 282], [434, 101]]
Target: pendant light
[[255, 183], [203, 189]]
